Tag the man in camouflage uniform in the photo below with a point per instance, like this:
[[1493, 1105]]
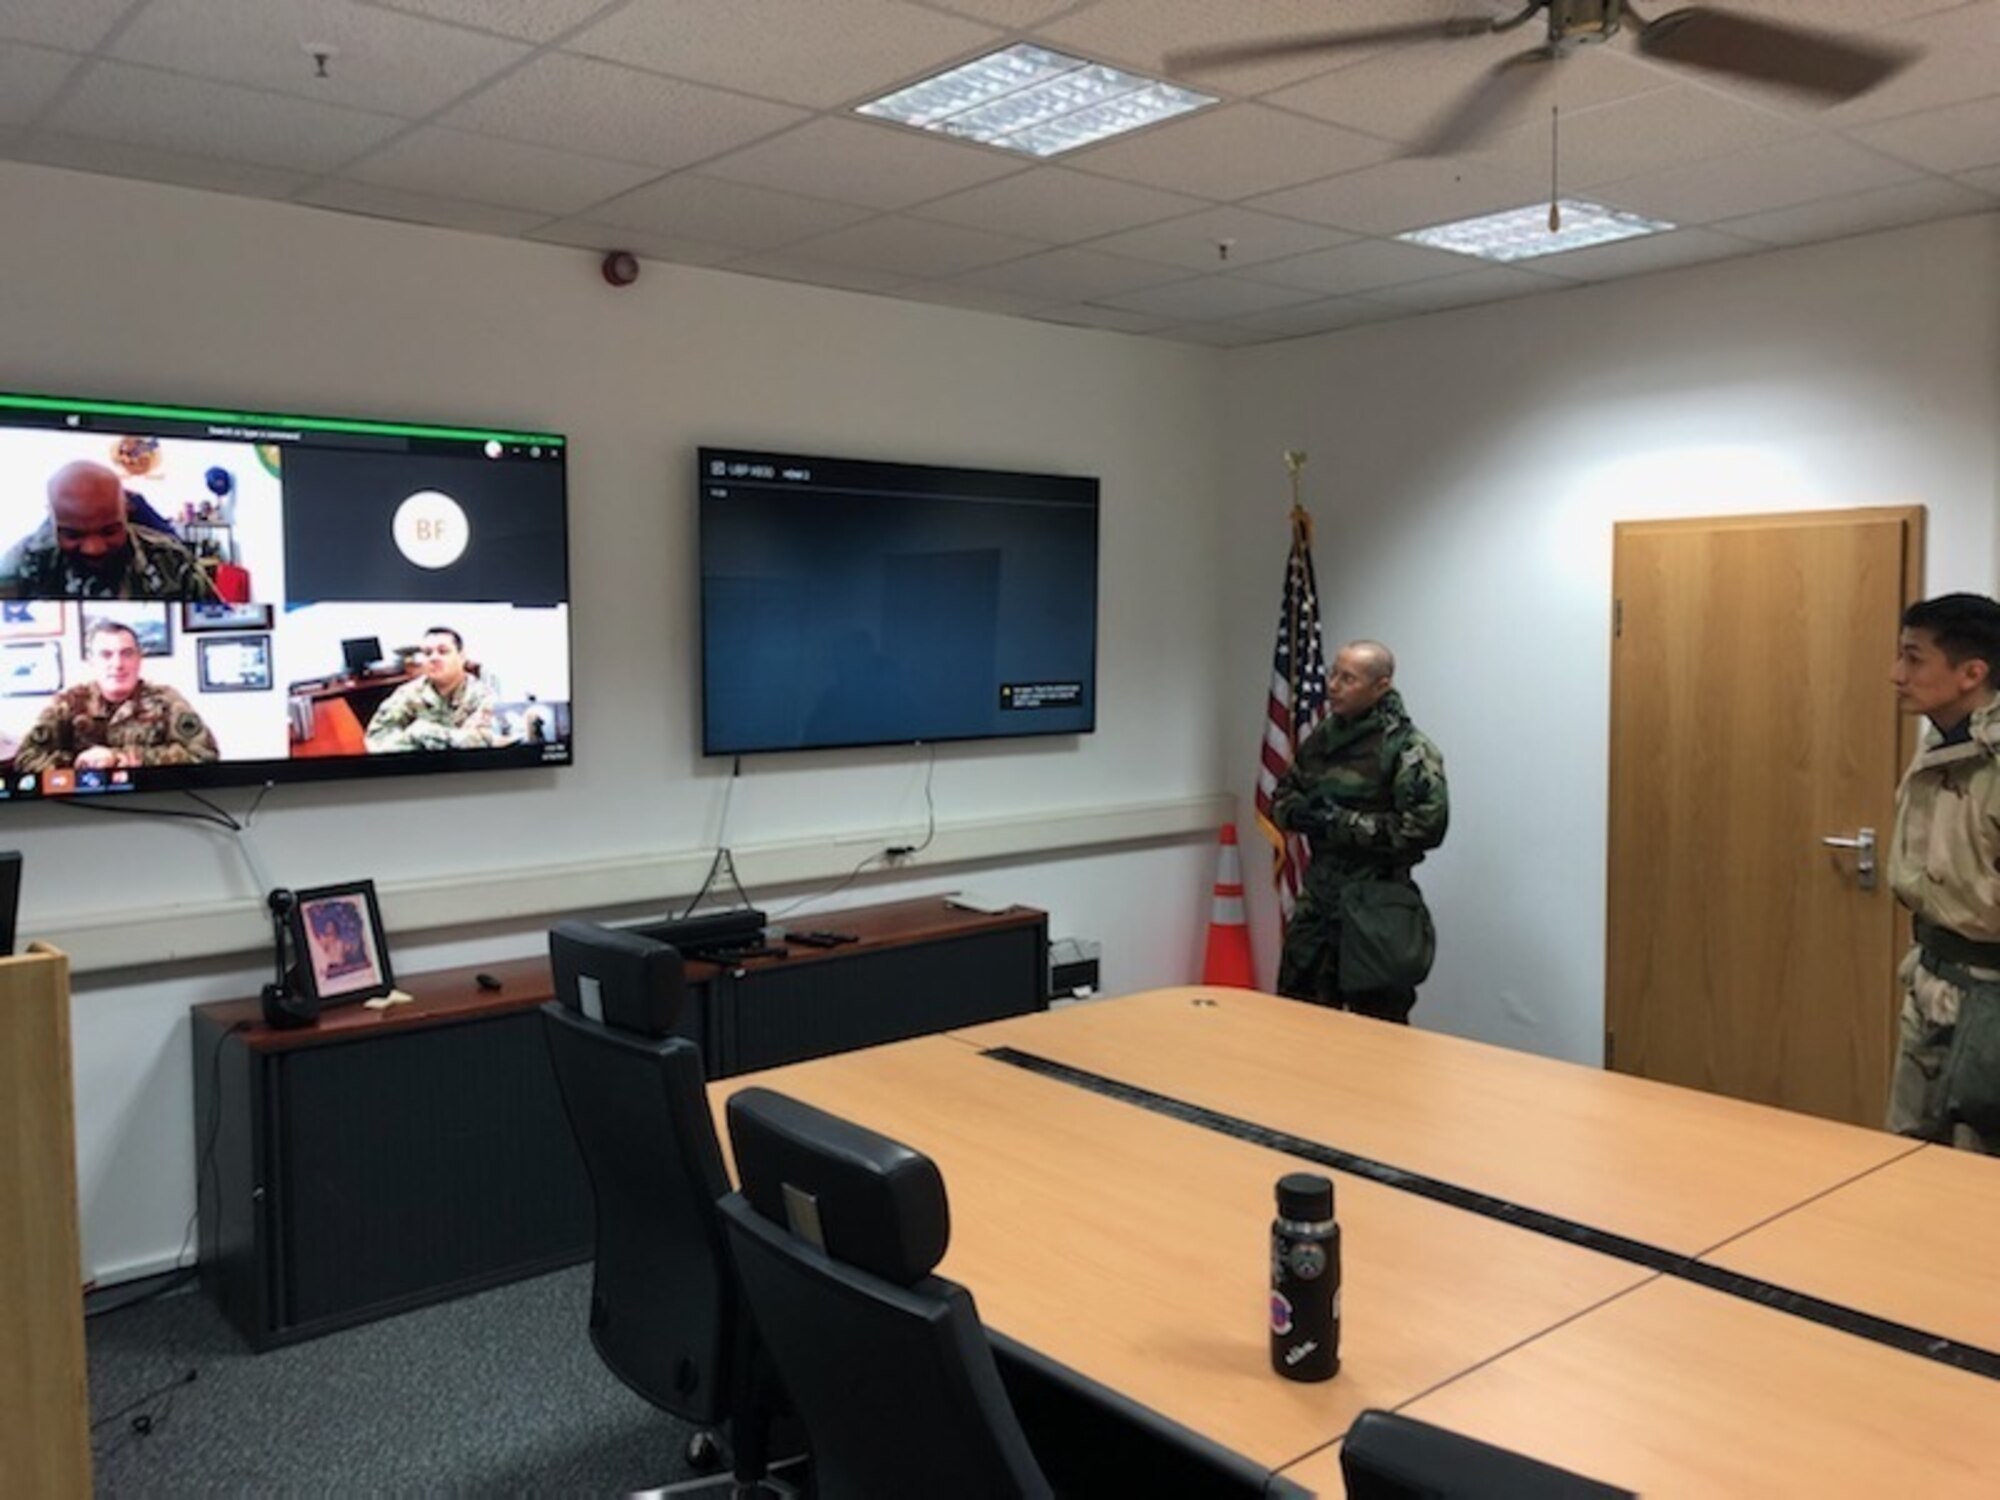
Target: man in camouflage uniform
[[1368, 792], [116, 719], [91, 548], [1944, 864], [445, 709]]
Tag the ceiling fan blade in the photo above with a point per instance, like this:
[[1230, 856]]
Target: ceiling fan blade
[[1507, 83], [1816, 62], [1230, 54]]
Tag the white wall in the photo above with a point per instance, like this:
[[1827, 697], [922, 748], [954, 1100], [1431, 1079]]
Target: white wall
[[1466, 469], [121, 289]]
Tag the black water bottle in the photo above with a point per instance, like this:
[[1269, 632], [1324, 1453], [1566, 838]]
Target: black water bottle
[[1305, 1280]]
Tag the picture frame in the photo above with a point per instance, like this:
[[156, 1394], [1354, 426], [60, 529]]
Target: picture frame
[[33, 619], [201, 615], [30, 669], [342, 955], [149, 619], [234, 663]]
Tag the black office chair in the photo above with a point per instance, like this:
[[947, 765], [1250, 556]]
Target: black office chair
[[1387, 1457], [835, 1232], [665, 1313]]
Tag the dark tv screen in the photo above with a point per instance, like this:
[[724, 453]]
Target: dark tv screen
[[846, 602], [193, 598]]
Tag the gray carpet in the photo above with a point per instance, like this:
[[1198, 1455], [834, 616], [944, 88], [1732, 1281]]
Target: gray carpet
[[499, 1393]]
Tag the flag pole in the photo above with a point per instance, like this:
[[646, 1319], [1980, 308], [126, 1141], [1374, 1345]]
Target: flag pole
[[1295, 464]]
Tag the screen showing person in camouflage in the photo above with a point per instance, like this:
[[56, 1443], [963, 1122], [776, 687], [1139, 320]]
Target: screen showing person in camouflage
[[1367, 791], [117, 719], [90, 547], [1944, 865], [448, 707]]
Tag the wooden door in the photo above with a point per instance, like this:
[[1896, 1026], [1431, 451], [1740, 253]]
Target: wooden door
[[1752, 717]]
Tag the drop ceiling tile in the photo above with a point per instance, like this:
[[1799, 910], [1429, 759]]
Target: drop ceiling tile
[[1215, 335], [1490, 284], [751, 218], [29, 78], [1859, 213], [1956, 138], [1986, 181], [1325, 316], [1958, 59], [857, 161], [677, 249], [1362, 266], [1404, 94], [1057, 205], [1206, 297], [789, 265], [453, 164], [827, 53], [915, 248], [1071, 275], [1746, 182], [1116, 319], [146, 108], [1667, 128], [956, 293], [78, 25], [419, 208], [1231, 151], [1659, 252], [1139, 34], [531, 20], [1408, 193], [379, 60], [1012, 14], [153, 164], [601, 109], [1196, 241]]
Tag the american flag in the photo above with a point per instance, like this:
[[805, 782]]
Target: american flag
[[1297, 704]]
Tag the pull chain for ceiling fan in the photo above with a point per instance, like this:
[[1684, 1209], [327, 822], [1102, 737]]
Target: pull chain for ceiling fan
[[1555, 133]]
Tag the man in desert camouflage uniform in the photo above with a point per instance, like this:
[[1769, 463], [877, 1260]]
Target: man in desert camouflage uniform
[[116, 719], [447, 708], [1368, 792], [90, 548], [1944, 864]]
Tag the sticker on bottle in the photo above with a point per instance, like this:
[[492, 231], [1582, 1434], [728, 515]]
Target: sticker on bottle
[[1281, 1313]]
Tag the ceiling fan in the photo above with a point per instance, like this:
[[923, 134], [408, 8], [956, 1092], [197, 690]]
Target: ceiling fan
[[1820, 63]]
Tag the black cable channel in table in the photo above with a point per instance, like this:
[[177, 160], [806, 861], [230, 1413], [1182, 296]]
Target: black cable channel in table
[[1968, 1357]]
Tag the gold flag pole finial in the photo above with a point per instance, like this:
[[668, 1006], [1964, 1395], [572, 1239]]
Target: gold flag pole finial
[[1295, 463]]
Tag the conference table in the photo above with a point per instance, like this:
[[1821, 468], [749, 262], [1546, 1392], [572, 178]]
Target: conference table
[[1664, 1289]]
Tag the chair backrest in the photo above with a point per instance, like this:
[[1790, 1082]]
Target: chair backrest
[[663, 1303], [835, 1232], [1389, 1457]]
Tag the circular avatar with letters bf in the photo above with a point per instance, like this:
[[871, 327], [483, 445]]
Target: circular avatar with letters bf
[[430, 529]]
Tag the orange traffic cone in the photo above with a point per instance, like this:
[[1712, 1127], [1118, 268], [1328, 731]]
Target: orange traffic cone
[[1227, 959]]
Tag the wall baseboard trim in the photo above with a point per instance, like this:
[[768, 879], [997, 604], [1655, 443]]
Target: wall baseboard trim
[[96, 941]]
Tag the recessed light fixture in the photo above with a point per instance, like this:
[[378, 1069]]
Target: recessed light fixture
[[1034, 101], [1523, 233]]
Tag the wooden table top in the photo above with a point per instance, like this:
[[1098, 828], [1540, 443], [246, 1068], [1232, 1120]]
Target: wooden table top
[[1134, 1248], [1677, 1390], [1917, 1242], [1671, 1167]]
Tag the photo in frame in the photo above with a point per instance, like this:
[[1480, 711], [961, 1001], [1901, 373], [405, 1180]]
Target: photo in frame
[[343, 957], [30, 669], [234, 663], [148, 620], [198, 615], [33, 619]]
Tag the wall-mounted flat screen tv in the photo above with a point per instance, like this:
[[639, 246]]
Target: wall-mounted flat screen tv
[[856, 603], [193, 598]]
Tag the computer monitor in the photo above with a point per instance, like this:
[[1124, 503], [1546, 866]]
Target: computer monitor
[[361, 653], [10, 899]]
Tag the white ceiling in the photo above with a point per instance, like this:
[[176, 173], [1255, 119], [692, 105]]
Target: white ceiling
[[720, 133]]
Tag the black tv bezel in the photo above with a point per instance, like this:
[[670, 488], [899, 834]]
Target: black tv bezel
[[970, 481], [118, 414]]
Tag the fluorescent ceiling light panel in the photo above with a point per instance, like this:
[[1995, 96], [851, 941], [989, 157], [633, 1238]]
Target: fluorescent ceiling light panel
[[1034, 101], [1523, 233]]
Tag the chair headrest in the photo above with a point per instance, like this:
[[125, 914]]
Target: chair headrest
[[866, 1200], [626, 981]]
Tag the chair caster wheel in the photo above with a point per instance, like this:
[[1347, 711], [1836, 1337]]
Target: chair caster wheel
[[704, 1452]]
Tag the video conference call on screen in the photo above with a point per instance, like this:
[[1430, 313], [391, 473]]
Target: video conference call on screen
[[194, 598], [852, 603]]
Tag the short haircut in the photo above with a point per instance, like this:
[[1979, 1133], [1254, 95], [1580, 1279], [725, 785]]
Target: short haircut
[[1965, 627], [457, 640], [108, 627]]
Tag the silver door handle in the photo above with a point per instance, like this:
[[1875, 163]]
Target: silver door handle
[[1863, 845]]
